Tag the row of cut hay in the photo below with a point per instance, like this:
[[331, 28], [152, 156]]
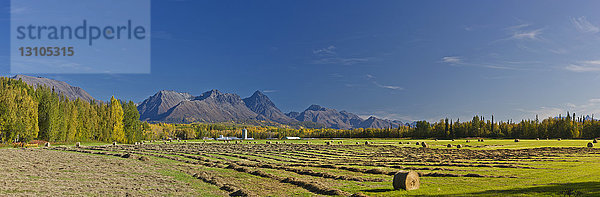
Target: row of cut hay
[[204, 176], [289, 169]]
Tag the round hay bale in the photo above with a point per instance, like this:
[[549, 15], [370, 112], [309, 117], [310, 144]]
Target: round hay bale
[[399, 142], [537, 138], [517, 140], [114, 143], [436, 139], [595, 141], [468, 141], [307, 142], [366, 142], [284, 142], [78, 144], [47, 144], [424, 144], [449, 145], [276, 142], [453, 140], [590, 145], [482, 140], [559, 139], [418, 143], [357, 143], [406, 180], [459, 146], [407, 142], [328, 142]]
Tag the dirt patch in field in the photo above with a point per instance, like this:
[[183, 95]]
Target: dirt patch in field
[[40, 172]]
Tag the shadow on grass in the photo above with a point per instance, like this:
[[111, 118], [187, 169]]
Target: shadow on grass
[[566, 189], [377, 190]]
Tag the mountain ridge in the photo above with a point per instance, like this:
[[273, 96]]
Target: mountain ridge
[[72, 92]]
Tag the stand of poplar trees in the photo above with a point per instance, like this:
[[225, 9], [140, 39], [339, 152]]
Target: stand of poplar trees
[[28, 113]]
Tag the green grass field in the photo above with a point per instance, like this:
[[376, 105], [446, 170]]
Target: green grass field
[[503, 167]]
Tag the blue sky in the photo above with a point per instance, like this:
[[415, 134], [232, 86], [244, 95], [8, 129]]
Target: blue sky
[[393, 59]]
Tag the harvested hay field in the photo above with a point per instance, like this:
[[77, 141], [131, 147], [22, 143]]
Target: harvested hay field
[[325, 168], [297, 168], [41, 172]]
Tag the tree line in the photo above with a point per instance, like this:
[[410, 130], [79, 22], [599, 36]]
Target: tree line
[[567, 126], [40, 113]]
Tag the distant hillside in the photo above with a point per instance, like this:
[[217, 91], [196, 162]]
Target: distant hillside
[[266, 109], [340, 120], [211, 106], [154, 107], [59, 86]]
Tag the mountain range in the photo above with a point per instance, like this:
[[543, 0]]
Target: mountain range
[[215, 106]]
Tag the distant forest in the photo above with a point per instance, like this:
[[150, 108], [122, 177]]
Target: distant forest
[[28, 113]]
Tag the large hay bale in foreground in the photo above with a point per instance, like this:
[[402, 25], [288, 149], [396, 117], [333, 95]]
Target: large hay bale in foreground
[[406, 180], [590, 145], [517, 140]]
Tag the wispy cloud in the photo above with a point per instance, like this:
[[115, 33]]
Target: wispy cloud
[[584, 66], [522, 31], [329, 55], [452, 59], [269, 91], [583, 25], [391, 87], [458, 61], [527, 34], [327, 51], [342, 61]]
